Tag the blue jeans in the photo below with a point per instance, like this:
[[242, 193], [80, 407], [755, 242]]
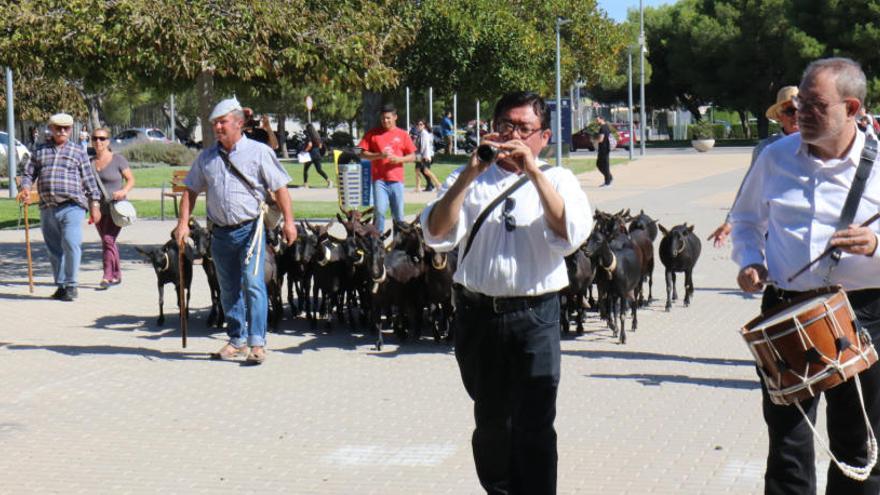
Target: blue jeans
[[385, 193], [62, 232], [242, 294]]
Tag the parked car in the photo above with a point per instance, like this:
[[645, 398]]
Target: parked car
[[22, 154], [624, 136], [138, 135]]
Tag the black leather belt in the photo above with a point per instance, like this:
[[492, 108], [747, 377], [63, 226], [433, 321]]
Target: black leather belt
[[499, 304], [236, 226]]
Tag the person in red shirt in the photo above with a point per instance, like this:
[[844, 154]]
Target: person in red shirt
[[389, 147]]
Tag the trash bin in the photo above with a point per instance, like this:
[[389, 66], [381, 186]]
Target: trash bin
[[354, 184]]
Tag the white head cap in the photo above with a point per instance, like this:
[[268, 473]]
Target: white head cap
[[61, 120], [225, 107]]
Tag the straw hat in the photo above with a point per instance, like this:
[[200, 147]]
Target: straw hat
[[785, 94]]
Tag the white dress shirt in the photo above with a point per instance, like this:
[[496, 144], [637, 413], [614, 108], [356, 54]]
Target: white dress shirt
[[527, 261], [789, 208]]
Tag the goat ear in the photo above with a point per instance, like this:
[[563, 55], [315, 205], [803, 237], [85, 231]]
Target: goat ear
[[691, 228], [368, 211], [340, 217], [663, 229]]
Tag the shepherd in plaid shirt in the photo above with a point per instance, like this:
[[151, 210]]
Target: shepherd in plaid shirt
[[67, 188]]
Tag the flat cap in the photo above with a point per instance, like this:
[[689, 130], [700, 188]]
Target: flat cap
[[224, 107], [61, 120]]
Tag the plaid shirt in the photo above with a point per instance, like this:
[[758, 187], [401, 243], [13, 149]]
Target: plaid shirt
[[64, 174]]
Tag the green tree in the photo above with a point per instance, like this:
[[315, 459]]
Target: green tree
[[173, 44]]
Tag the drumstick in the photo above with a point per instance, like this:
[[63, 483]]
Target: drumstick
[[27, 243], [830, 249]]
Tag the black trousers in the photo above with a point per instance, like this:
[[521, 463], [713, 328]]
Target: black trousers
[[604, 165], [791, 458], [317, 164], [509, 364]]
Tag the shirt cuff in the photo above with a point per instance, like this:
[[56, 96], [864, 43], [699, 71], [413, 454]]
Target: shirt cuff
[[876, 253]]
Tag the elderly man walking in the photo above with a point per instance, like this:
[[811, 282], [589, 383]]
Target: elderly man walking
[[238, 174], [67, 187]]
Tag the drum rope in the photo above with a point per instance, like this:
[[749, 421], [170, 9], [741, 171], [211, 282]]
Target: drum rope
[[855, 472]]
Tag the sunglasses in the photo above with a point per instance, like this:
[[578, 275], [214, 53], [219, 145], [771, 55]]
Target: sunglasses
[[789, 112], [100, 138], [509, 221]]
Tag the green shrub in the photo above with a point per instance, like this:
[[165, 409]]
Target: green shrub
[[170, 153], [701, 130]]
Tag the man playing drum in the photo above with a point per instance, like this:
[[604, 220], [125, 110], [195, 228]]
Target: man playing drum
[[788, 213]]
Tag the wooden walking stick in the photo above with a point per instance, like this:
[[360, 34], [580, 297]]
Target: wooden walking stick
[[182, 291], [27, 243]]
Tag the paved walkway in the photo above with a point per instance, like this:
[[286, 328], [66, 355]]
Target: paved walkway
[[98, 398]]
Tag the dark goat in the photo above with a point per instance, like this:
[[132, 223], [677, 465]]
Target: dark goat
[[273, 246], [329, 271], [581, 273], [679, 252], [438, 290], [644, 222], [642, 239], [295, 262], [202, 239], [166, 265], [618, 262]]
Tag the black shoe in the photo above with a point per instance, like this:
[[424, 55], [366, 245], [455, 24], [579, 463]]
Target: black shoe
[[59, 293], [70, 294]]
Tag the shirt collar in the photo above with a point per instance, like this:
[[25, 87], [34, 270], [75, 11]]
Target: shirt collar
[[854, 154], [241, 143]]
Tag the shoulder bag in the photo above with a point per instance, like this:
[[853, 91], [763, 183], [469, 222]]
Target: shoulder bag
[[122, 211]]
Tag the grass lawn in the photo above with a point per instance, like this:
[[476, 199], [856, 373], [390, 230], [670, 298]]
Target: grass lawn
[[443, 166], [154, 176]]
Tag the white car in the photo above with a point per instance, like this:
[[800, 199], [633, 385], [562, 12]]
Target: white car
[[138, 135], [21, 152]]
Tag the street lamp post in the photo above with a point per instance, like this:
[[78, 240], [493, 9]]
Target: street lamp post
[[558, 131], [629, 77], [642, 122], [11, 152]]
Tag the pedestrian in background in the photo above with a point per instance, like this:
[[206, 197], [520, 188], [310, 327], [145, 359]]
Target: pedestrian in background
[[314, 147], [388, 147], [115, 174], [447, 128], [68, 188], [425, 157], [603, 148]]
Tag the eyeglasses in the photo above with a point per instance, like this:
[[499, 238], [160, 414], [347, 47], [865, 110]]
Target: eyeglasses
[[506, 128], [509, 221], [100, 138], [62, 129], [805, 105], [789, 111]]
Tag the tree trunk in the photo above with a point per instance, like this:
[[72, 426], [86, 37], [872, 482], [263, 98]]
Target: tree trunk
[[763, 125], [95, 106], [371, 105], [205, 95], [744, 122], [282, 135]]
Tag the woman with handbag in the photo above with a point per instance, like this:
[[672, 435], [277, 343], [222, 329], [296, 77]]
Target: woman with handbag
[[117, 179], [313, 147]]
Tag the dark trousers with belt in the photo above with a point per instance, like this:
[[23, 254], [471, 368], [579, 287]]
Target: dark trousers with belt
[[509, 357], [791, 465]]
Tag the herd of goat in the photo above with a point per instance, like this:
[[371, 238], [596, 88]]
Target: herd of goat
[[347, 266]]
